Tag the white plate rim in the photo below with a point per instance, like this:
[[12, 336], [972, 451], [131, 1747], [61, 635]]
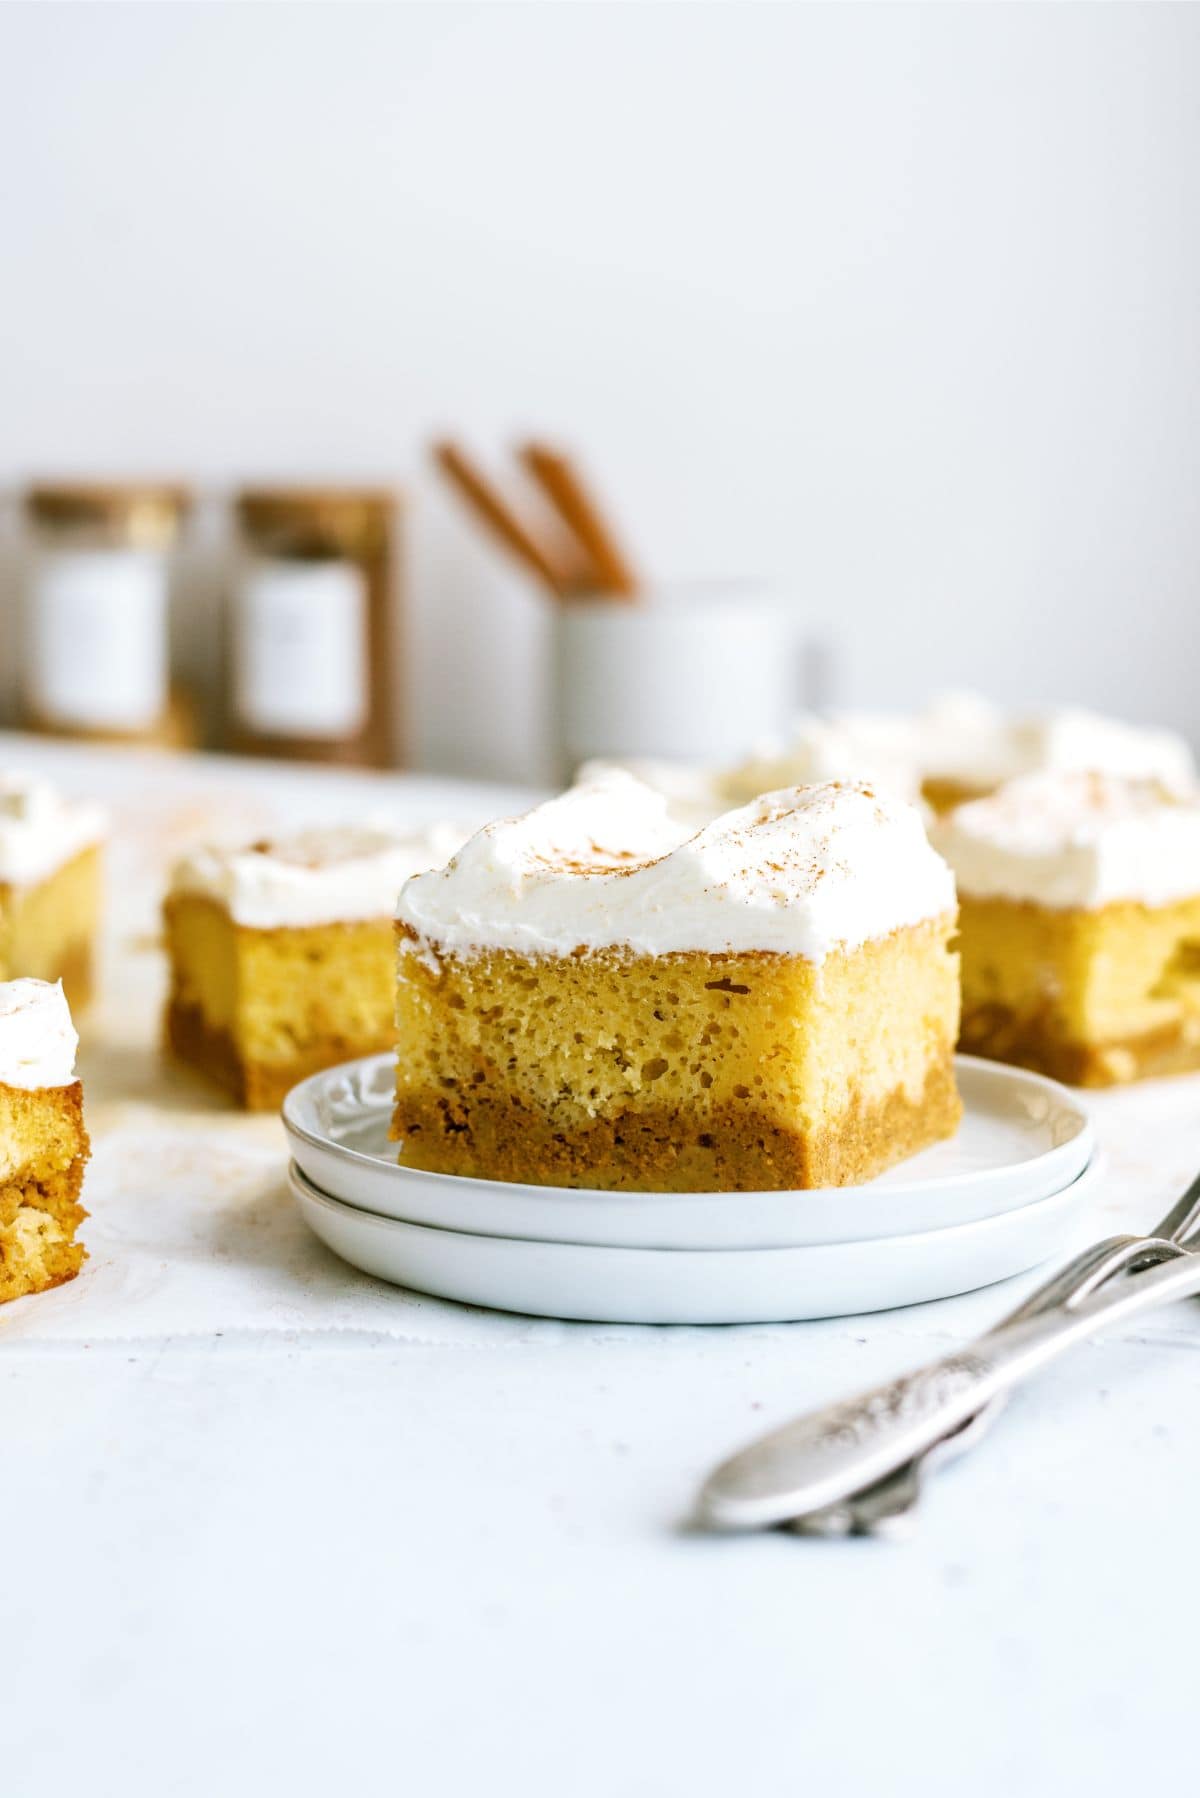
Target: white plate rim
[[683, 1220], [710, 1286], [975, 1226]]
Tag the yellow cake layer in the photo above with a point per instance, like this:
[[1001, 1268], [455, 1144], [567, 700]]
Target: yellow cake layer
[[1094, 996], [48, 929], [678, 1072], [260, 1009], [43, 1149]]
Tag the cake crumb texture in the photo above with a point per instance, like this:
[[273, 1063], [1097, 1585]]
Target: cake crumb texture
[[678, 1072], [43, 1150], [47, 929], [258, 1010], [1094, 997]]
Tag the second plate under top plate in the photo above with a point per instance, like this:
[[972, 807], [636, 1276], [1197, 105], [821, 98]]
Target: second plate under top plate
[[1022, 1138]]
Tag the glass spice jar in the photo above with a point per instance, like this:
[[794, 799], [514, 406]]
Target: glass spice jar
[[310, 630], [95, 651]]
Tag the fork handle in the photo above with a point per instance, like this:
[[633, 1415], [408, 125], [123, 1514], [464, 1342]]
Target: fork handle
[[823, 1458], [881, 1504]]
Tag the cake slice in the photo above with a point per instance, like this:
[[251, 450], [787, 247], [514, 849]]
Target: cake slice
[[968, 749], [593, 995], [282, 953], [960, 747], [848, 746], [43, 1143], [1080, 925], [49, 885]]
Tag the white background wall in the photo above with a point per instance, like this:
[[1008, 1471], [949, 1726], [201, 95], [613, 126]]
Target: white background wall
[[899, 305]]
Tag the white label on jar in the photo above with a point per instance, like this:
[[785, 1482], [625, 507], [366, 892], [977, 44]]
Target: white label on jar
[[300, 649], [96, 639]]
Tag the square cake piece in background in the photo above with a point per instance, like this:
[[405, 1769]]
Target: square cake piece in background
[[960, 747], [43, 1143], [50, 877], [591, 995], [968, 748], [282, 957], [1080, 925]]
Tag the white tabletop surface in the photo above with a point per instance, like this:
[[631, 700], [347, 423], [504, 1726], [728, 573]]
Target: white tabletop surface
[[268, 1526]]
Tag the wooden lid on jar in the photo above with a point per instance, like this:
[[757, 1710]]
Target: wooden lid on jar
[[143, 513], [314, 521]]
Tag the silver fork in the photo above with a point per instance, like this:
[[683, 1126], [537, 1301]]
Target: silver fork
[[887, 1506]]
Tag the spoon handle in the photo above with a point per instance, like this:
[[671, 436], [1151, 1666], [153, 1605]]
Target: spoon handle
[[824, 1457]]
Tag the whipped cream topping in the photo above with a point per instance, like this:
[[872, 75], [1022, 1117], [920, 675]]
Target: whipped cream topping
[[799, 872], [695, 795], [1074, 840], [962, 738], [847, 747], [40, 830], [37, 1038], [1076, 741], [334, 876]]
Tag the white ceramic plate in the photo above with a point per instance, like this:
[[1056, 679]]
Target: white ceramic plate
[[696, 1286], [1021, 1139]]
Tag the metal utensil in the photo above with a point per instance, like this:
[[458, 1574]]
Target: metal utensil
[[887, 1506], [821, 1460]]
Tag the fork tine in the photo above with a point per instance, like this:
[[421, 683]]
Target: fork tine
[[1183, 1219]]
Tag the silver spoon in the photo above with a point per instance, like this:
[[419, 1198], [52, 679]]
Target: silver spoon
[[887, 1507], [893, 1424]]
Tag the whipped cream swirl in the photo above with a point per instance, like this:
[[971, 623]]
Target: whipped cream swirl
[[799, 872], [339, 875], [37, 1038], [1076, 841], [40, 830], [962, 738]]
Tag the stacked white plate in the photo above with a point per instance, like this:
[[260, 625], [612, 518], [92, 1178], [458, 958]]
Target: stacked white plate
[[1008, 1191]]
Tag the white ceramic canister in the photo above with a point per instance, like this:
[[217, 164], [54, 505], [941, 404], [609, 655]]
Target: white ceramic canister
[[697, 674]]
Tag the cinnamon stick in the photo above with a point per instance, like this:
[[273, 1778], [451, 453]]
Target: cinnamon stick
[[553, 570], [567, 492]]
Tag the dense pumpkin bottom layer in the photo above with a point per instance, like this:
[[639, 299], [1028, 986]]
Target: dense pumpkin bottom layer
[[1092, 997], [43, 1150], [678, 1072], [47, 930], [259, 1085], [257, 1010]]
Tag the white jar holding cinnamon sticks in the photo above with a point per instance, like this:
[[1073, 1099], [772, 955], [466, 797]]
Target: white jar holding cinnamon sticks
[[690, 674], [698, 674]]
